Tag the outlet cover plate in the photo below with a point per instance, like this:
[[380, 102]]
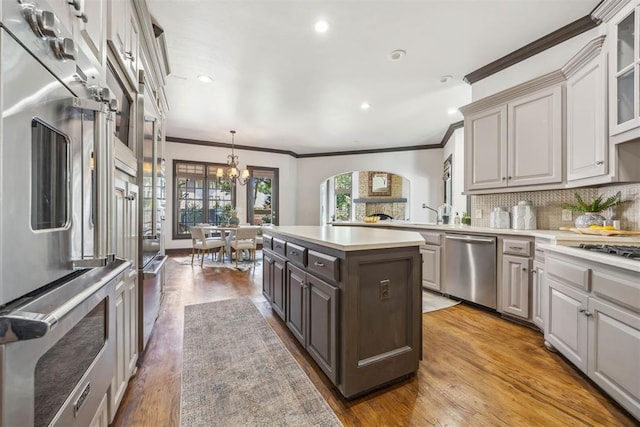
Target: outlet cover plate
[[478, 214], [567, 215]]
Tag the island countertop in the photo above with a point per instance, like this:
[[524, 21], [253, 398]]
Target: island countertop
[[351, 238]]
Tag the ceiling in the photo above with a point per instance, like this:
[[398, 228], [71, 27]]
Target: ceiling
[[281, 85]]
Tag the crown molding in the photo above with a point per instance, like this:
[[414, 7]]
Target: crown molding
[[560, 35], [608, 8], [590, 51]]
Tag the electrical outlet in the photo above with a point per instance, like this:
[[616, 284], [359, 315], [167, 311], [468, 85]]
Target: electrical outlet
[[384, 289], [478, 213], [566, 215]]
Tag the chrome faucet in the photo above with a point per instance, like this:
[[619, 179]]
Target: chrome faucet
[[424, 206]]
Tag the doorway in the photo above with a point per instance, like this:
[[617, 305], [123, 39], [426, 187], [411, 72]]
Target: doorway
[[262, 196]]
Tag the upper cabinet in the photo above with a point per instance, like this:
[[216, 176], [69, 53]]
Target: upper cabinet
[[124, 37], [622, 18], [515, 138]]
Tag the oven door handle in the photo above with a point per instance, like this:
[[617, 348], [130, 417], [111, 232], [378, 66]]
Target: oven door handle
[[153, 268]]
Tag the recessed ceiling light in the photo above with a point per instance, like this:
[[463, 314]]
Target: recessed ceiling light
[[397, 54], [204, 78], [445, 79], [322, 26], [365, 105], [452, 110]]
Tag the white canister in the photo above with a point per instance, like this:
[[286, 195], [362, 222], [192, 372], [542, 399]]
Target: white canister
[[499, 218], [524, 216]]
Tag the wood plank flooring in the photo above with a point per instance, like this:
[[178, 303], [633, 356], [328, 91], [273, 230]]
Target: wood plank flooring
[[478, 369]]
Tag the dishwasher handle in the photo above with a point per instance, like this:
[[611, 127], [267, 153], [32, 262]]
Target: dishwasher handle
[[470, 239]]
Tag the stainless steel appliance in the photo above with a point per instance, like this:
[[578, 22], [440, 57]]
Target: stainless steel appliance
[[152, 184], [470, 268], [56, 259]]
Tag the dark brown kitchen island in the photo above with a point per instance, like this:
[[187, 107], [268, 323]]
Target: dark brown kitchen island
[[351, 296]]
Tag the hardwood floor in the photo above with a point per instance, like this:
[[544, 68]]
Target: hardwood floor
[[478, 369]]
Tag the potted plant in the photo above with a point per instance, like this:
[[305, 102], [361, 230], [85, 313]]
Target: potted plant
[[466, 219], [590, 211]]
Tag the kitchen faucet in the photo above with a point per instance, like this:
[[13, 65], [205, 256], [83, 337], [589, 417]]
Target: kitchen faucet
[[424, 206]]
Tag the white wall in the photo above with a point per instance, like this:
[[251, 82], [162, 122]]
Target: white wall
[[288, 175], [455, 147], [545, 62], [423, 168]]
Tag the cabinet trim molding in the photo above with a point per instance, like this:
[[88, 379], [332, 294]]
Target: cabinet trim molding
[[608, 8], [590, 51]]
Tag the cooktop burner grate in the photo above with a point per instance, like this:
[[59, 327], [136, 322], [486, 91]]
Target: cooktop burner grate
[[625, 251]]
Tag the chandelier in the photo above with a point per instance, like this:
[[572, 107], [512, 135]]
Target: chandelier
[[232, 172]]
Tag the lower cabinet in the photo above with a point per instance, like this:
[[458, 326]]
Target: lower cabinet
[[538, 294], [431, 267], [594, 321], [311, 317], [101, 418], [126, 313], [515, 285], [273, 281]]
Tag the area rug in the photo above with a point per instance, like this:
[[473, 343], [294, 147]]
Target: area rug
[[432, 302], [209, 263], [237, 372]]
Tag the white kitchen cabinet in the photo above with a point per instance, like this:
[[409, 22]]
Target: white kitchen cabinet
[[587, 136], [431, 267], [614, 352], [515, 285], [538, 295], [515, 138], [101, 418], [90, 30], [123, 37], [566, 328]]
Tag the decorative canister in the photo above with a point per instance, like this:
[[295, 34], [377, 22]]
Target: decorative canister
[[499, 218], [524, 216]]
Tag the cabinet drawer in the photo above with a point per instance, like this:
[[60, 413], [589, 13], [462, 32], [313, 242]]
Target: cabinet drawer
[[267, 242], [431, 238], [571, 274], [324, 265], [278, 246], [296, 254], [621, 290], [516, 247]]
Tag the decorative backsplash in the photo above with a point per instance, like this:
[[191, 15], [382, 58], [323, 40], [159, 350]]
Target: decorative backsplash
[[549, 212]]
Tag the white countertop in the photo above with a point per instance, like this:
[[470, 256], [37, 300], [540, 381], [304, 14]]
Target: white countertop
[[351, 238], [555, 236], [607, 259]]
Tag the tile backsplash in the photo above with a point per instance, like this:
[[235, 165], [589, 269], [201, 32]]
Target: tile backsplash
[[549, 212]]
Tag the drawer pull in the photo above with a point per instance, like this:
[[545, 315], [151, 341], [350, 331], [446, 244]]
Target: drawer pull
[[278, 246], [586, 313], [294, 253], [318, 264], [515, 248]]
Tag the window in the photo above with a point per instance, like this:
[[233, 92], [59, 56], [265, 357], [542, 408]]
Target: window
[[262, 195], [199, 197], [342, 187]]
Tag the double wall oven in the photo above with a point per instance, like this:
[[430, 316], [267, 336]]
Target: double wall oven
[[57, 269]]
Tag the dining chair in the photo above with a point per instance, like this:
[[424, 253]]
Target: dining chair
[[244, 239], [203, 244]]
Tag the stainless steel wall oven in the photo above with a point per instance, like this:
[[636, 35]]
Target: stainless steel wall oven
[[57, 269]]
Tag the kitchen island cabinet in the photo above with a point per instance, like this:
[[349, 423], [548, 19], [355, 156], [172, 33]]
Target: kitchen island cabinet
[[352, 299]]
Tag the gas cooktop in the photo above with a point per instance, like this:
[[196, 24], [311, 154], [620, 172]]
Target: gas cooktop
[[632, 252]]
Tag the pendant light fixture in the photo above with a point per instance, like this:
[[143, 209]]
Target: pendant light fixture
[[232, 172]]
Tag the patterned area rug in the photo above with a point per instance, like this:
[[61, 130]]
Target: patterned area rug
[[432, 302], [237, 372], [209, 263]]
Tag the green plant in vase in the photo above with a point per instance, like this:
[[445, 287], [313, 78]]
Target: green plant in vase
[[590, 211], [466, 219]]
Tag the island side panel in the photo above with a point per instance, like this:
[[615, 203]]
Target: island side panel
[[381, 318]]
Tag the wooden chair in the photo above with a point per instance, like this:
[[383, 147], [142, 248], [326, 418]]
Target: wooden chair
[[244, 239], [203, 243]]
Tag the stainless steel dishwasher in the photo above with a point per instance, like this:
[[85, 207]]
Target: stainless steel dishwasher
[[470, 268]]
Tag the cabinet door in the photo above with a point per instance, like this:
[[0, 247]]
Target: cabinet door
[[430, 267], [624, 67], [131, 227], [101, 417], [486, 149], [567, 326], [120, 217], [120, 378], [91, 31], [296, 310], [267, 276], [587, 154], [515, 285], [279, 288], [132, 322], [614, 352], [538, 293], [322, 341], [534, 142], [132, 43]]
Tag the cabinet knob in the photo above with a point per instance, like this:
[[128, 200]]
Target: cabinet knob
[[524, 268], [509, 177], [504, 178], [76, 4], [83, 17]]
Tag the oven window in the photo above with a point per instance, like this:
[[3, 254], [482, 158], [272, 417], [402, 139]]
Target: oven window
[[49, 177], [59, 369]]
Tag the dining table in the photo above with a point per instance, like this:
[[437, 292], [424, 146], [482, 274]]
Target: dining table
[[229, 233]]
